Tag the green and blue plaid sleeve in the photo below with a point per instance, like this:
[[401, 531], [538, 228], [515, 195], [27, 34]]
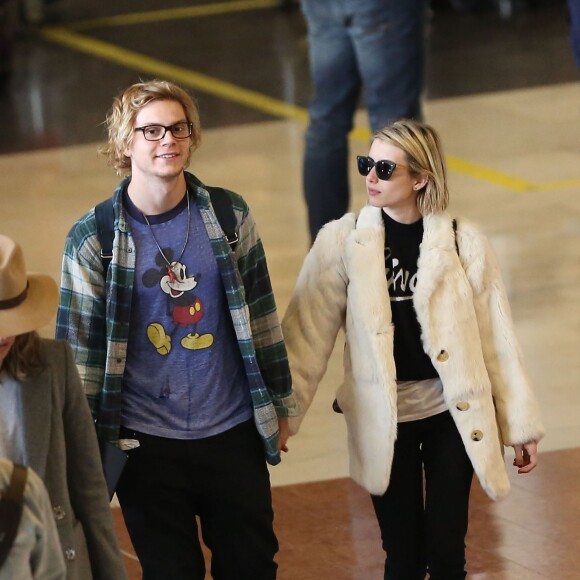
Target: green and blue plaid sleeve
[[266, 330], [81, 311]]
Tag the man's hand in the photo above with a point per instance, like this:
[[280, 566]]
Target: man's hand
[[284, 433]]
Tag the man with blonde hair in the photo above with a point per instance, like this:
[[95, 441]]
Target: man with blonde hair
[[180, 349]]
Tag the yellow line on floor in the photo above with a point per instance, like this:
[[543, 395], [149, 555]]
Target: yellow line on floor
[[512, 183], [173, 14], [564, 184], [490, 175], [260, 102], [361, 134], [152, 66]]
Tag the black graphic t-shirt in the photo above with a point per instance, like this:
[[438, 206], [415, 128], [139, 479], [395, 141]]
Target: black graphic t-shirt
[[402, 243]]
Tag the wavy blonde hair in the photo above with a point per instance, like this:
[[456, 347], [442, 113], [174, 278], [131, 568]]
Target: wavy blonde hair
[[424, 152], [120, 121], [25, 357]]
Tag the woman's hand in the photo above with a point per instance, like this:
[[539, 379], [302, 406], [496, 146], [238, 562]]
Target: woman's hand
[[284, 433], [526, 457]]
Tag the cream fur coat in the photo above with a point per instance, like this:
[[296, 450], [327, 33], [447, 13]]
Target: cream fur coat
[[467, 332]]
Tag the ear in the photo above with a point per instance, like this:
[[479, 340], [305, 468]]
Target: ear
[[420, 182], [128, 147]]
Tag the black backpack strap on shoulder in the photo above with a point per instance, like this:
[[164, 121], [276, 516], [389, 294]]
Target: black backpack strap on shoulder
[[224, 211], [454, 222], [105, 218], [11, 505]]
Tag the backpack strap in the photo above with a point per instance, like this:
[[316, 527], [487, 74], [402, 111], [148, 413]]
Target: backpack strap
[[105, 218], [224, 211], [11, 505]]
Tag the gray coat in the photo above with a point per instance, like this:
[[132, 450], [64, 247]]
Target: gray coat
[[35, 552], [61, 446]]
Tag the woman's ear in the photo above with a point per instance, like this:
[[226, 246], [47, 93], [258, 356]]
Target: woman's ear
[[420, 182]]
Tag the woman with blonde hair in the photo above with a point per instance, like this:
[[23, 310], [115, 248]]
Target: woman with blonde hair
[[434, 385], [45, 422]]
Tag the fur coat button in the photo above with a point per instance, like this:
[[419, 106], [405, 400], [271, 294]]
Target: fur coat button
[[462, 406], [443, 356], [477, 435], [58, 512]]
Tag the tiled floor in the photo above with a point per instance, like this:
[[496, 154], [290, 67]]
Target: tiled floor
[[327, 529], [503, 94]]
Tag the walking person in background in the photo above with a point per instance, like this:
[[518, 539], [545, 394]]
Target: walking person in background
[[574, 17], [434, 384], [373, 46], [8, 21], [180, 349], [45, 422]]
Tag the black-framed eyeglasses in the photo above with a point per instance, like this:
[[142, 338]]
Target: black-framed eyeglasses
[[181, 130], [383, 167]]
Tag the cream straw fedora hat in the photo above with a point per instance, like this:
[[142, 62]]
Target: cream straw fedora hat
[[27, 301]]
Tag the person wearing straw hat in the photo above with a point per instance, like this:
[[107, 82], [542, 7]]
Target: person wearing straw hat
[[45, 422]]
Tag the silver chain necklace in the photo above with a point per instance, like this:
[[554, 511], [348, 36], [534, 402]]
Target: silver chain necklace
[[186, 235]]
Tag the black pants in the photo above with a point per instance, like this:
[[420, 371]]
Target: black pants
[[223, 480], [423, 524]]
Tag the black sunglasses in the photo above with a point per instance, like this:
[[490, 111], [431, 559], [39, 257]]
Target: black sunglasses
[[383, 167]]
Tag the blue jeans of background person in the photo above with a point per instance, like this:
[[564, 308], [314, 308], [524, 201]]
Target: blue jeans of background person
[[420, 530], [574, 13], [373, 46], [224, 481]]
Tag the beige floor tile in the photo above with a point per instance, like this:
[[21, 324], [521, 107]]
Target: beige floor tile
[[535, 233]]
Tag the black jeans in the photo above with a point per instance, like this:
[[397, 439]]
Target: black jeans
[[423, 524], [222, 479]]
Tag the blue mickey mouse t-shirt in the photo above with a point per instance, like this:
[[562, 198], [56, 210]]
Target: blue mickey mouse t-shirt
[[184, 377]]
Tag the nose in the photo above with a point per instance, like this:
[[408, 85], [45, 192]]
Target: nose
[[372, 175], [168, 136]]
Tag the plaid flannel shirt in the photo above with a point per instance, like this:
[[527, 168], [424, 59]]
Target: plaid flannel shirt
[[94, 314]]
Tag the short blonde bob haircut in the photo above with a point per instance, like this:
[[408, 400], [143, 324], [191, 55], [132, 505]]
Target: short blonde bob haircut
[[120, 121], [424, 152]]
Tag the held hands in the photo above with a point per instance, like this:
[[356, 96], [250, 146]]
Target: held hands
[[284, 433], [526, 457]]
